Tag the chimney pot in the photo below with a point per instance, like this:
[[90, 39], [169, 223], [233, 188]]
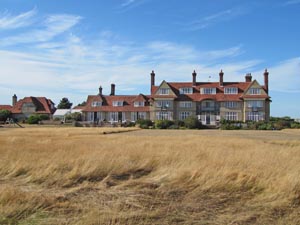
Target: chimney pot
[[194, 74], [100, 90], [14, 100], [266, 79], [248, 77], [113, 89], [152, 78], [221, 74]]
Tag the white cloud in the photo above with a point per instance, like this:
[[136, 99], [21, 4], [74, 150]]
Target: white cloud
[[218, 17], [284, 77], [53, 26], [7, 21], [292, 2]]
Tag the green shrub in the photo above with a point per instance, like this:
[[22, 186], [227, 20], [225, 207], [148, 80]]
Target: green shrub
[[179, 123], [163, 124], [144, 123], [44, 117], [34, 119], [295, 125], [4, 114], [192, 122], [76, 116], [174, 126]]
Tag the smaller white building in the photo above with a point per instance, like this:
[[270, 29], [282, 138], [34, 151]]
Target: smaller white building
[[62, 113]]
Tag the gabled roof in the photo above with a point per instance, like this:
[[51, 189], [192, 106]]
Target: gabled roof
[[42, 104], [107, 103], [196, 96], [140, 98], [6, 107]]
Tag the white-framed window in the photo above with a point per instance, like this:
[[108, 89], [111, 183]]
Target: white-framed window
[[255, 116], [187, 104], [231, 104], [184, 115], [163, 103], [138, 115], [139, 104], [95, 104], [230, 90], [254, 91], [163, 115], [208, 91], [186, 90], [208, 104], [90, 116], [233, 116], [113, 116], [255, 104], [164, 91], [117, 103]]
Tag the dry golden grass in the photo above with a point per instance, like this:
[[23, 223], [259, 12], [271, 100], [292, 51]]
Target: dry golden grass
[[82, 176]]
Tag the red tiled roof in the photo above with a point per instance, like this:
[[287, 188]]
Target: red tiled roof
[[42, 104], [79, 107], [6, 107], [196, 96], [107, 103]]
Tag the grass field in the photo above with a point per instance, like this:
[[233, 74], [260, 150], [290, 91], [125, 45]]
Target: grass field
[[104, 176]]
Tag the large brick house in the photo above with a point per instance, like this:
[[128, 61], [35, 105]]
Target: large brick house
[[209, 101], [23, 108]]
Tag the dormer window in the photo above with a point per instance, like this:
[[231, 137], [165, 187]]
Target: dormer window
[[230, 90], [164, 91], [254, 91], [117, 103], [208, 91], [186, 90], [95, 104], [139, 104]]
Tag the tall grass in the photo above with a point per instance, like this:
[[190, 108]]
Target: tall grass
[[82, 176]]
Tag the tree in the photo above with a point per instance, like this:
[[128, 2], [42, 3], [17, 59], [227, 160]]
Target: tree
[[4, 114], [82, 104], [64, 104]]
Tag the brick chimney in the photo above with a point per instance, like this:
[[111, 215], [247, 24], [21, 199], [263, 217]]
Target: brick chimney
[[14, 100], [194, 74], [248, 77], [152, 78], [266, 78], [100, 90], [221, 74], [113, 88]]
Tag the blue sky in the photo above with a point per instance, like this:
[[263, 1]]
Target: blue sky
[[68, 48]]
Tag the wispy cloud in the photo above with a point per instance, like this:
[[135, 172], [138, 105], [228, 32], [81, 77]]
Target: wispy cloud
[[130, 4], [52, 26], [8, 21], [292, 2], [215, 18]]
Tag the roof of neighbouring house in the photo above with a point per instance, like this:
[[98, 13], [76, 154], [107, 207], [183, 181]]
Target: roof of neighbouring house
[[42, 104], [6, 107]]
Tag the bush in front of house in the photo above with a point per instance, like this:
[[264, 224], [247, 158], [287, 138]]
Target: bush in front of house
[[192, 122], [33, 119], [163, 124], [4, 114], [76, 116], [36, 118], [230, 125], [144, 123]]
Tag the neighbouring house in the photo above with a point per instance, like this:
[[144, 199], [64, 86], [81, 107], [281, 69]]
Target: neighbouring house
[[23, 108], [209, 101], [62, 113]]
